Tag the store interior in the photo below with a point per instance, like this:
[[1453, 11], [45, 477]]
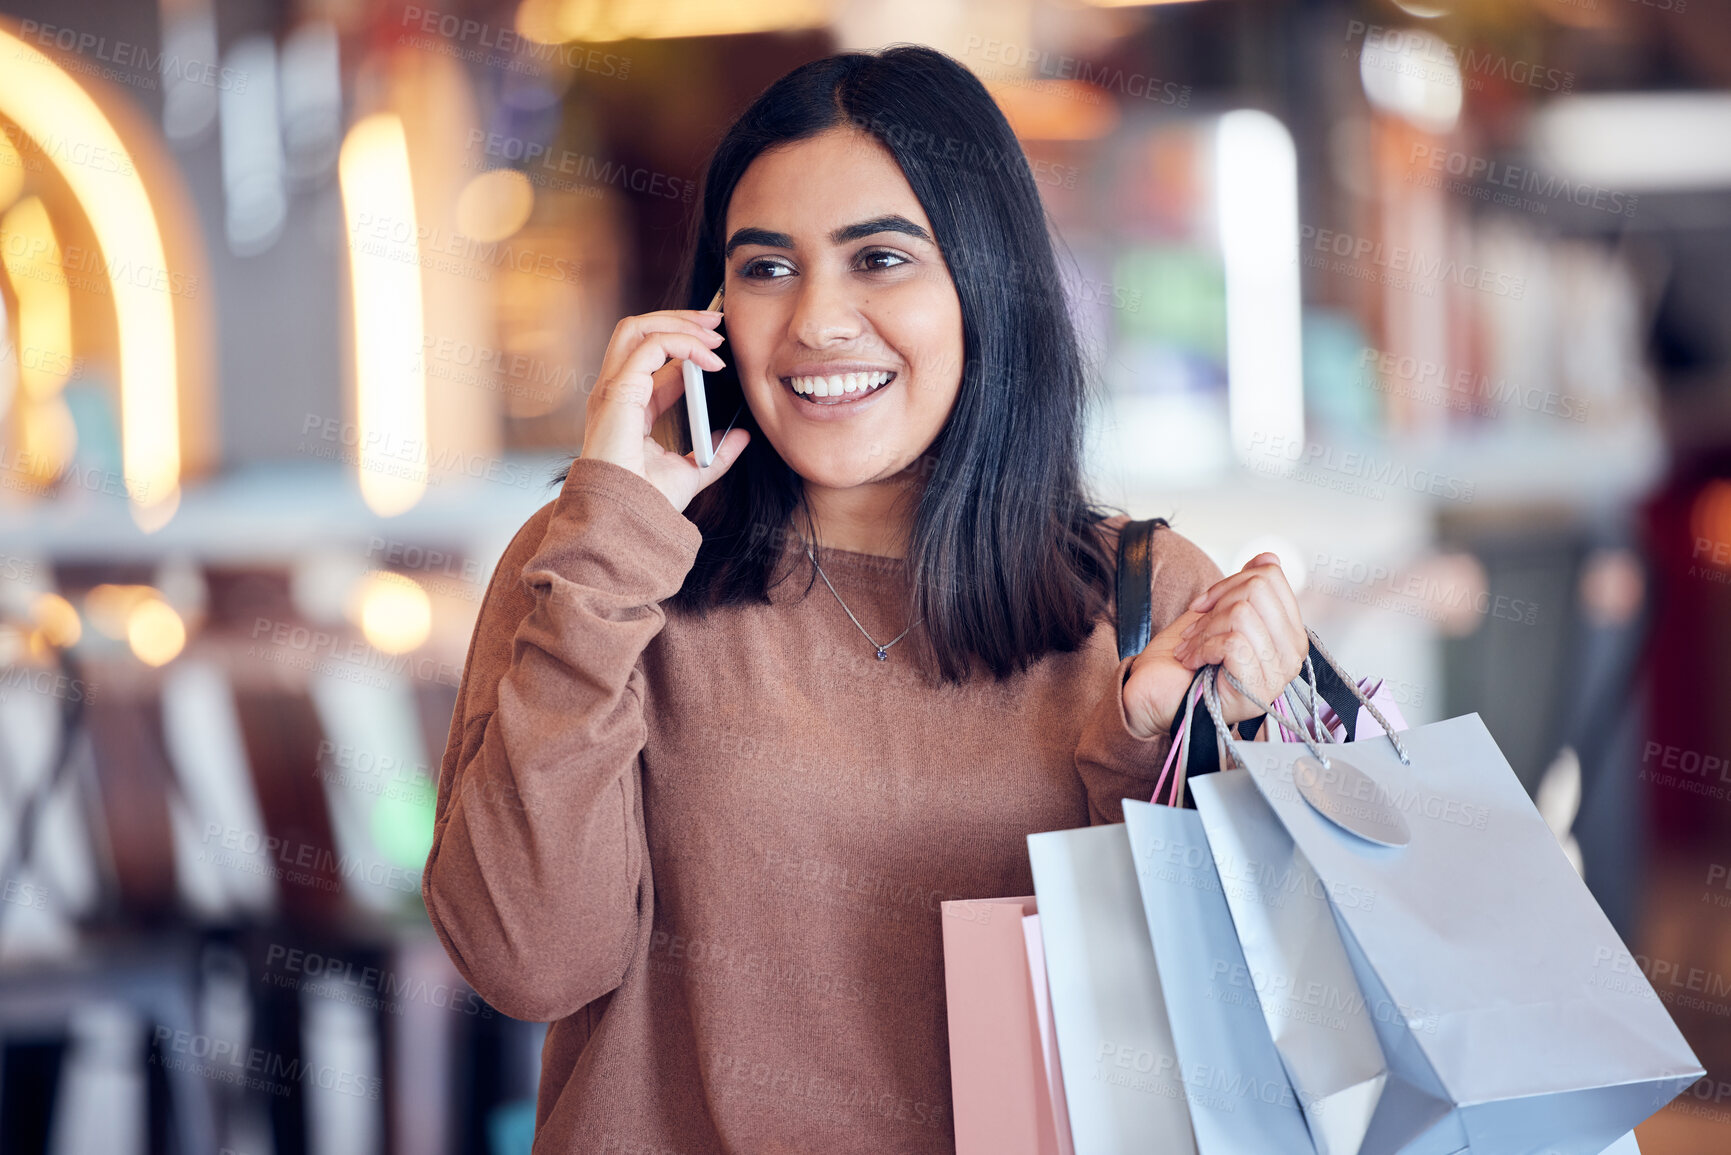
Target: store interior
[[301, 303]]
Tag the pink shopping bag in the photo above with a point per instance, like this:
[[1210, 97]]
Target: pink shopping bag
[[1005, 1084]]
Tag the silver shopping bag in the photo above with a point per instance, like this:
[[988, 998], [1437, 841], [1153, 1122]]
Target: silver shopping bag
[[1519, 1028], [1240, 1097], [1296, 969], [1121, 1079]]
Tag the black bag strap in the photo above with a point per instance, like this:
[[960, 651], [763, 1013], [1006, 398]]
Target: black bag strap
[[1135, 585], [1136, 626]]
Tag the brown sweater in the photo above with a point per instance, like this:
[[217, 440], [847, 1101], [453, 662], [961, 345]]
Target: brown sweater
[[711, 851]]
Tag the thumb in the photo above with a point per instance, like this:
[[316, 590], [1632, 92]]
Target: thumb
[[727, 451]]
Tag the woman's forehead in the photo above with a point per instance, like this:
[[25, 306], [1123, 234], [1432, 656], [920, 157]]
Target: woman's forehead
[[811, 188]]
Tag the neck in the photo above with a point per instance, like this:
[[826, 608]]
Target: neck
[[873, 518]]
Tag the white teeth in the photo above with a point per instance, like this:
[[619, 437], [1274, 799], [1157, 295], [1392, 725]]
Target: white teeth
[[841, 383]]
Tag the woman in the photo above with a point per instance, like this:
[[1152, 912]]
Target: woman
[[701, 814]]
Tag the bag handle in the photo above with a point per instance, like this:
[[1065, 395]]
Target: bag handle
[[1211, 698], [1363, 698]]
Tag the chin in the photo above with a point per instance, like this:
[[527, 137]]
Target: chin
[[836, 471]]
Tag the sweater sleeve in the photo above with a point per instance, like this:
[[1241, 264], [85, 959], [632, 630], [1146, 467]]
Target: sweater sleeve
[[538, 875], [1113, 763]]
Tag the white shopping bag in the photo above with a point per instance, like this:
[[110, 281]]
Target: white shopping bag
[[1510, 1019], [1121, 1078], [1239, 1094], [1053, 1087], [1296, 967]]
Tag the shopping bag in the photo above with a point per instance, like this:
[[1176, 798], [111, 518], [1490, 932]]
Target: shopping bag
[[1120, 1069], [1296, 966], [1054, 1072], [1514, 1021], [1001, 1045], [1292, 959], [1239, 1095]]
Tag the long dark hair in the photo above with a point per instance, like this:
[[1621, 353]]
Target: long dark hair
[[1006, 557]]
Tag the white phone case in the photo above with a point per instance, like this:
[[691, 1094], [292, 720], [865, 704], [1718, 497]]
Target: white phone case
[[697, 413]]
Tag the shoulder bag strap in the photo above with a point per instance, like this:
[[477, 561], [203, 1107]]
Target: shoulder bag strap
[[1135, 582]]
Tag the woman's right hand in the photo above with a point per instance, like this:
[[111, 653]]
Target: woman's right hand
[[640, 377]]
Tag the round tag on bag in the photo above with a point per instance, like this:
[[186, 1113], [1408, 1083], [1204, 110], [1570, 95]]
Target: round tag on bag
[[1351, 799]]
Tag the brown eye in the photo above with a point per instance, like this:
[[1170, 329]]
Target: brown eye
[[765, 269], [878, 259]]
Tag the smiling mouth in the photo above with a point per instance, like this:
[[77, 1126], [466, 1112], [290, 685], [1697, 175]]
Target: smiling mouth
[[840, 388]]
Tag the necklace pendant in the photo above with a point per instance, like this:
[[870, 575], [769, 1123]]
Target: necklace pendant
[[883, 654]]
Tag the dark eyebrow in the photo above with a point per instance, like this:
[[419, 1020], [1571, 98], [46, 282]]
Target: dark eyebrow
[[764, 237], [893, 223]]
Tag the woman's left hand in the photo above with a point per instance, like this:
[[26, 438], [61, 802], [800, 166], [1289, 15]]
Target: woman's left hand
[[1250, 627], [1247, 623]]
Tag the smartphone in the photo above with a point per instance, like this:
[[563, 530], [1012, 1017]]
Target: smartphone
[[697, 404]]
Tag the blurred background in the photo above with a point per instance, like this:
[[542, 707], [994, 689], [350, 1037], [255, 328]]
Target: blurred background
[[300, 302]]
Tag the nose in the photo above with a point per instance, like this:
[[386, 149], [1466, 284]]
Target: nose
[[824, 313]]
